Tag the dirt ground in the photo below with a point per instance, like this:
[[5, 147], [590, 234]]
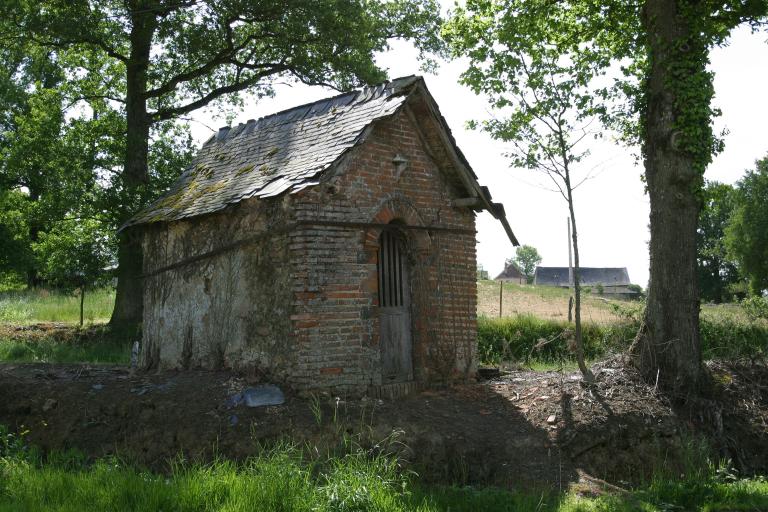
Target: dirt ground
[[521, 429]]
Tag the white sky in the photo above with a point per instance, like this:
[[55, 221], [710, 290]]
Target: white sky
[[611, 208]]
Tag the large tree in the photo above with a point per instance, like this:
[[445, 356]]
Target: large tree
[[177, 56], [45, 157], [61, 145], [661, 100], [527, 258], [678, 143]]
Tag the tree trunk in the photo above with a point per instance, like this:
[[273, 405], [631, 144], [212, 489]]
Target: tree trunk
[[667, 349], [129, 297], [33, 276], [82, 303], [585, 372]]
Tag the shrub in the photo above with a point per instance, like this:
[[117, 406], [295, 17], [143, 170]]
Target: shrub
[[755, 307], [516, 338], [637, 289], [730, 339]]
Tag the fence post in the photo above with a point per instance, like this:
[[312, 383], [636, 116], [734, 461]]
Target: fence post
[[501, 295]]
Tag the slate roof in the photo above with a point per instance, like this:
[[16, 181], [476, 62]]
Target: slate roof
[[590, 276], [288, 151], [510, 272]]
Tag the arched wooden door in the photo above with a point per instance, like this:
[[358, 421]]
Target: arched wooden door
[[394, 310]]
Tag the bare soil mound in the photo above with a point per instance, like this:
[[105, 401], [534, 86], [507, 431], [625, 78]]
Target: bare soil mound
[[522, 429]]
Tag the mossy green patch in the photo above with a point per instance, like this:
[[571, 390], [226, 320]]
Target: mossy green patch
[[203, 171], [244, 170]]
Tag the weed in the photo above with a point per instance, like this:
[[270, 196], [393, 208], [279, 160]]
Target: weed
[[516, 338], [317, 409], [756, 308]]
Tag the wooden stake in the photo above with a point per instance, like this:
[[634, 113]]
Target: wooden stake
[[501, 295]]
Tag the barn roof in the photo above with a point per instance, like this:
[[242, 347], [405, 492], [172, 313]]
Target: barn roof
[[590, 276], [510, 272], [288, 151]]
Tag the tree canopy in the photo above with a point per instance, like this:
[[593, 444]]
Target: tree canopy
[[155, 61], [718, 273], [527, 258], [747, 233]]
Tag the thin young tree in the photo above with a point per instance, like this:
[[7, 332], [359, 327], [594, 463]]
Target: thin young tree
[[544, 111]]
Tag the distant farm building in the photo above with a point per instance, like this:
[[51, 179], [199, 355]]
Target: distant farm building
[[511, 274], [611, 281], [329, 246]]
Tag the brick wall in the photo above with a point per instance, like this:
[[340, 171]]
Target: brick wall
[[335, 287]]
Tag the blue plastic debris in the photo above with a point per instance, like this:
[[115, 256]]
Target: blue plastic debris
[[233, 420], [257, 396], [263, 395]]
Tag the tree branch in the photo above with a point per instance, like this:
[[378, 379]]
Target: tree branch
[[87, 97], [170, 113]]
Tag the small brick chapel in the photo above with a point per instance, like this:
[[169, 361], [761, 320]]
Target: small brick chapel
[[329, 246]]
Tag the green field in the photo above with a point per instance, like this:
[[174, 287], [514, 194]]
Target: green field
[[726, 330], [24, 307], [285, 478], [95, 344], [535, 314]]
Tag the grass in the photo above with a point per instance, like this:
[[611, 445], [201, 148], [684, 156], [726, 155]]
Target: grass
[[551, 303], [727, 332], [285, 479], [545, 342], [40, 305], [39, 326], [93, 344], [545, 302]]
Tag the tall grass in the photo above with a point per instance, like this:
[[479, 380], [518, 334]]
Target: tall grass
[[285, 479], [66, 344], [546, 341], [40, 305], [727, 338], [518, 337], [50, 350]]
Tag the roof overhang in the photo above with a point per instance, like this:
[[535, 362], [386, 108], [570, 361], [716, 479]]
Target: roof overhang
[[479, 196]]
